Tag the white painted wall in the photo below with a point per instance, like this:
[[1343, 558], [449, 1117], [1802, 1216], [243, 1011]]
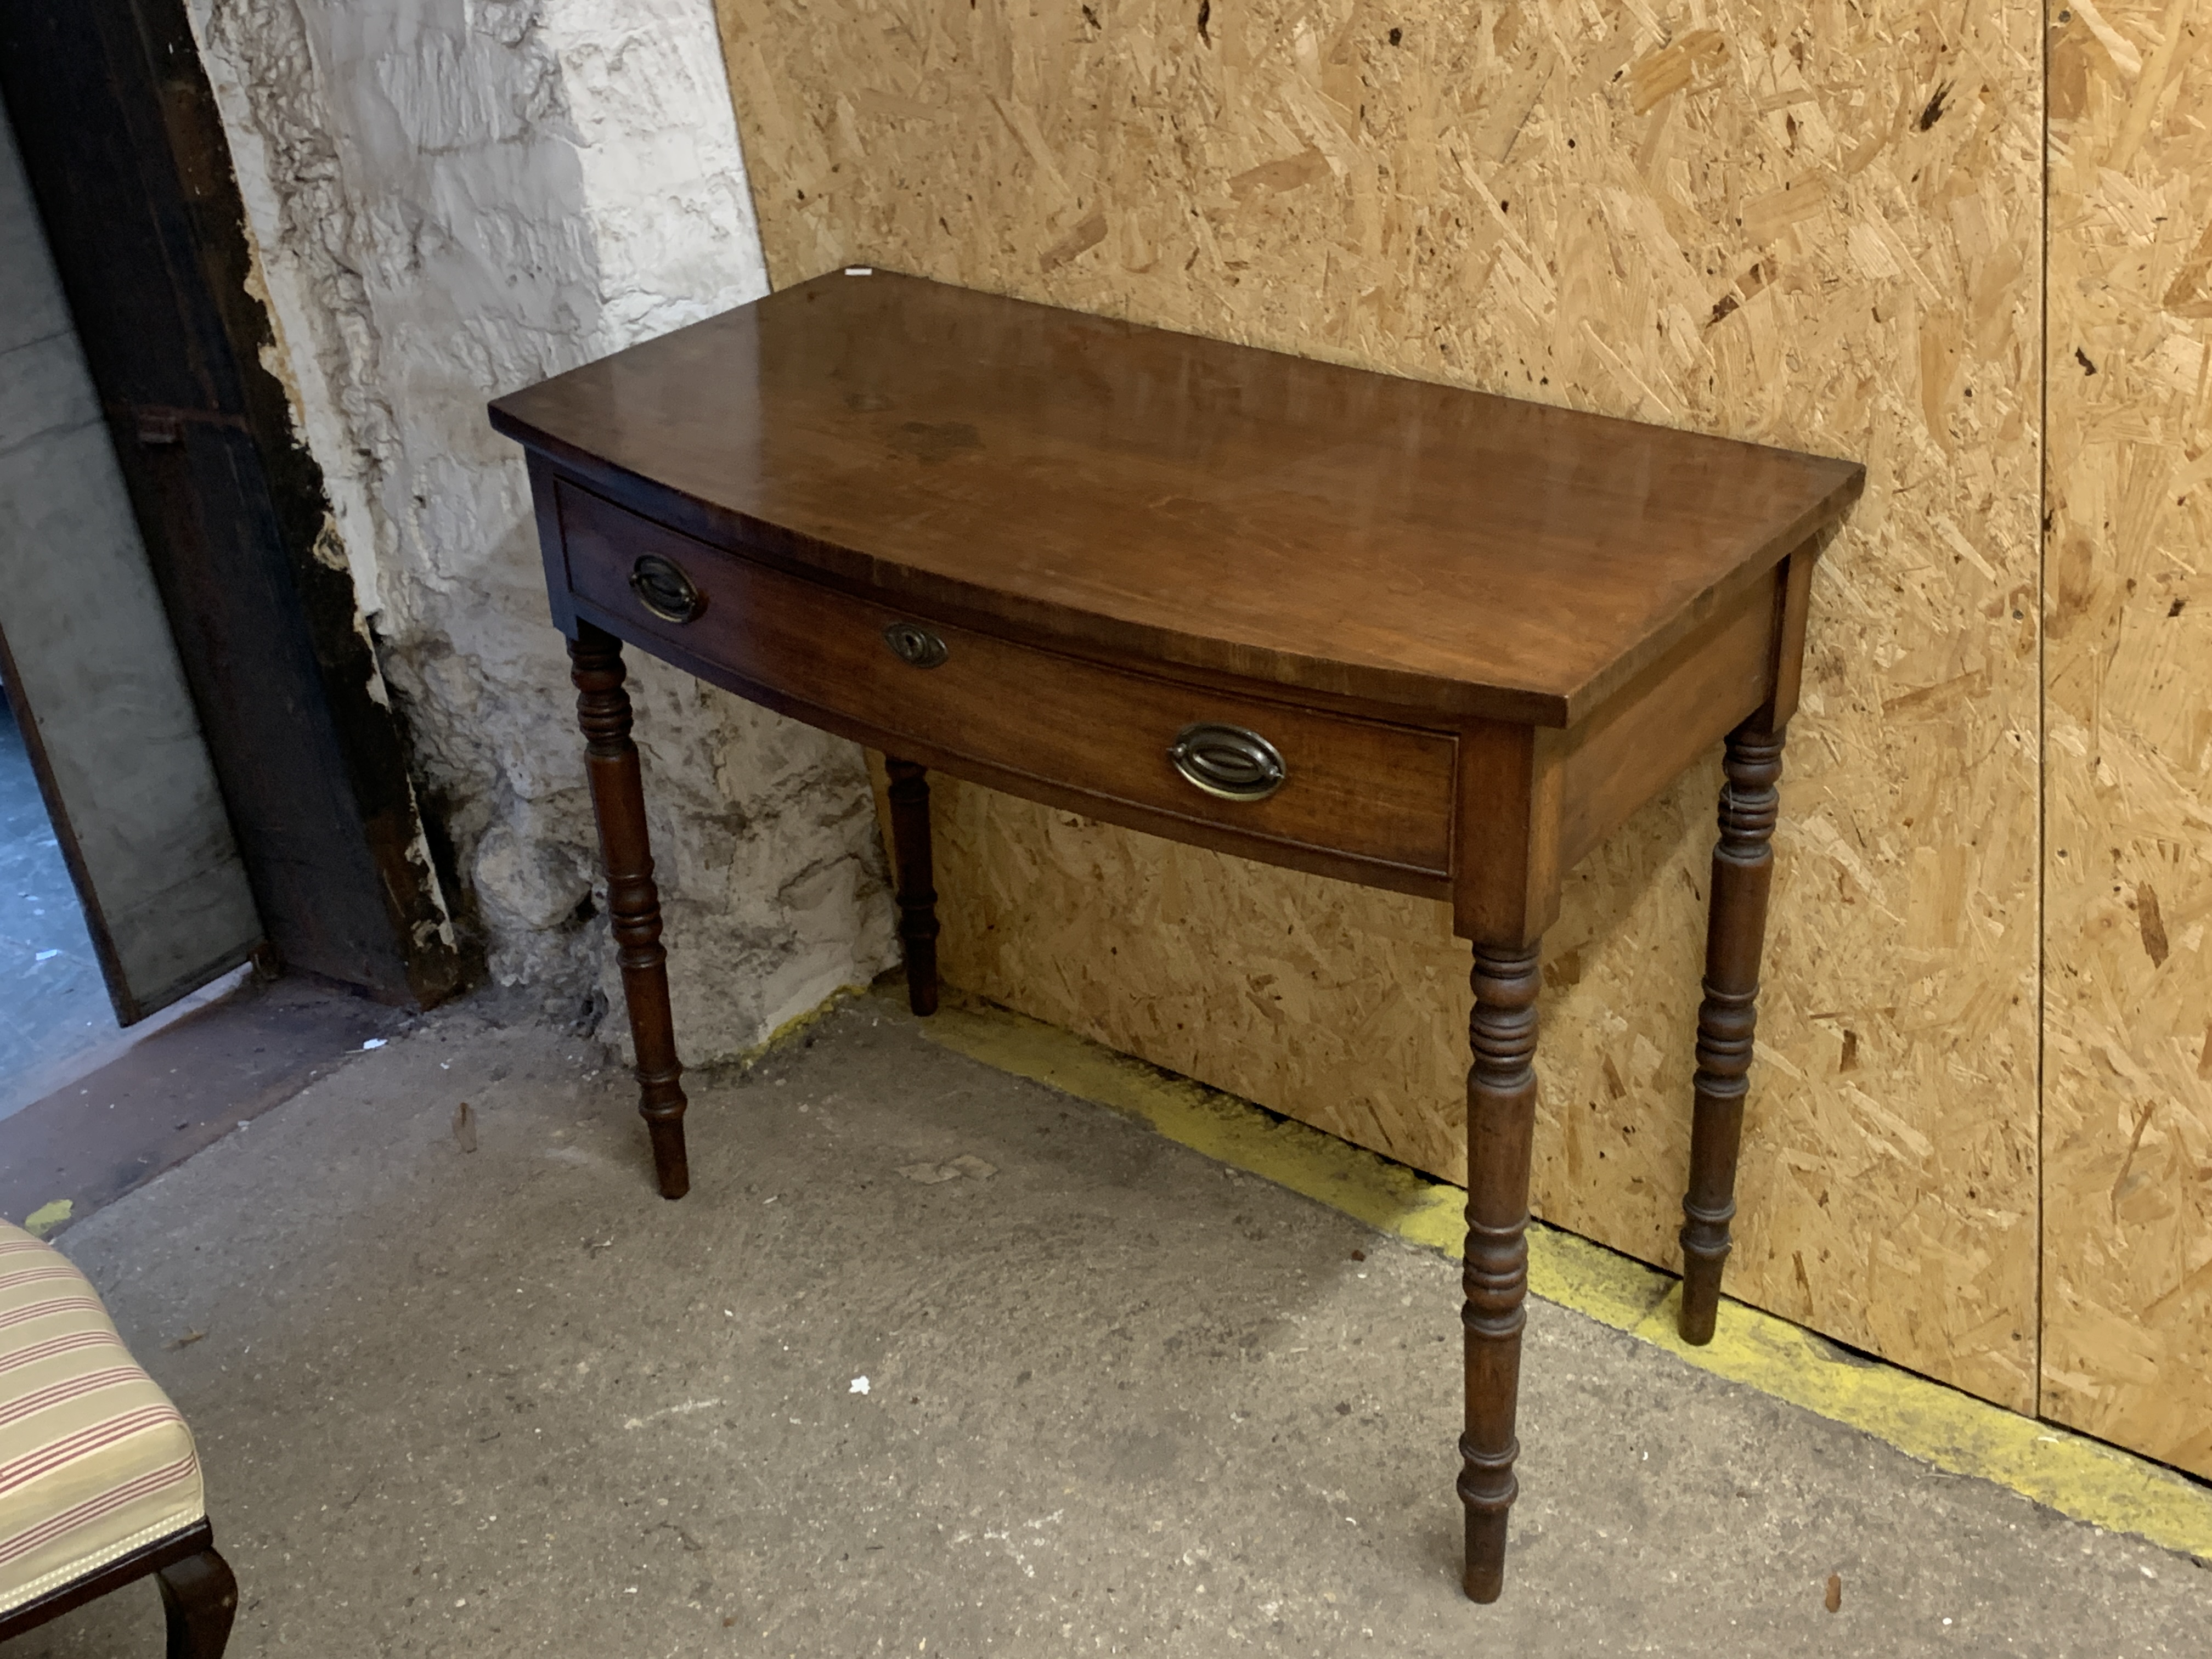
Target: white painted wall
[[454, 198]]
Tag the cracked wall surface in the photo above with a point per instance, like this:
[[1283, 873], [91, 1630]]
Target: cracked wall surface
[[454, 198]]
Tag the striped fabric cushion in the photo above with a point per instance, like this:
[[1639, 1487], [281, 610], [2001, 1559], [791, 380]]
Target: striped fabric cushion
[[94, 1461]]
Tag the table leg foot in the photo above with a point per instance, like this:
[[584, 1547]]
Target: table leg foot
[[1728, 1018], [1484, 1576], [917, 897], [602, 711], [1501, 1114], [671, 1160]]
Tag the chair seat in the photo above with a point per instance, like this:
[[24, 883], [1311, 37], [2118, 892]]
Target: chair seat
[[94, 1461]]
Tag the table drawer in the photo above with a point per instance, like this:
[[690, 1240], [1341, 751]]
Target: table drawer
[[1363, 788]]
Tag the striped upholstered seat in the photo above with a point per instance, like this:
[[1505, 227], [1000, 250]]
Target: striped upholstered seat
[[94, 1461]]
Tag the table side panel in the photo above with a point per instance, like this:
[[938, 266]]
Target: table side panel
[[1653, 728], [545, 514], [1364, 790]]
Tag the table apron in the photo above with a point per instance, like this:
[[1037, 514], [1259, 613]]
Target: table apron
[[1367, 800]]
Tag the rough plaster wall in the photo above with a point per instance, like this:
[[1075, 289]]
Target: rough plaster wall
[[454, 199]]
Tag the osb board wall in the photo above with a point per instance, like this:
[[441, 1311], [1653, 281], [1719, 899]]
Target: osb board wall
[[1808, 224], [2128, 1105]]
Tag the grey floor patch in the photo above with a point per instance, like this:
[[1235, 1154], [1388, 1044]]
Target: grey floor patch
[[1119, 1400]]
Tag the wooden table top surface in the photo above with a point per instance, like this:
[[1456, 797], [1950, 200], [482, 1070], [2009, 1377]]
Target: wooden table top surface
[[1144, 492]]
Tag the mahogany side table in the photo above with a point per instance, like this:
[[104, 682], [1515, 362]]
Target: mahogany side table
[[1384, 630]]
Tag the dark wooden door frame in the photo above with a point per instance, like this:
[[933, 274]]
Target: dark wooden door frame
[[127, 160]]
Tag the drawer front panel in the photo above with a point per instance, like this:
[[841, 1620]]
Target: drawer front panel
[[1359, 787]]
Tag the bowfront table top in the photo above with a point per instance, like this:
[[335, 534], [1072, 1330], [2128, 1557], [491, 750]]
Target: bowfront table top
[[1186, 500], [1389, 631]]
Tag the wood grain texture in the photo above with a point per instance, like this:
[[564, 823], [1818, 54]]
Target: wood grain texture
[[1727, 1017], [908, 798], [1501, 1117], [1374, 800], [2127, 1110], [199, 1602], [1113, 487], [1808, 224], [610, 760]]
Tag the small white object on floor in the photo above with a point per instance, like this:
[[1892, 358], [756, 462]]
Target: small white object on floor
[[373, 1043], [966, 1165], [860, 270], [860, 1385]]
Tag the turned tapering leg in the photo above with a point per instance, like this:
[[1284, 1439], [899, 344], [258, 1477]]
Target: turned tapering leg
[[1501, 1116], [1743, 865], [917, 896], [199, 1597], [633, 901]]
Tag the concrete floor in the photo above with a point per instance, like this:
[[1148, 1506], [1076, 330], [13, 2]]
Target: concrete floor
[[1119, 1400]]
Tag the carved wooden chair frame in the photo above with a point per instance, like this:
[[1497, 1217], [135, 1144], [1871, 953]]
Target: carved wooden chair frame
[[198, 1593]]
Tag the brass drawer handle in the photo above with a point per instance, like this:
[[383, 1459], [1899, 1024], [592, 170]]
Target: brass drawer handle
[[662, 588], [1228, 761], [914, 645]]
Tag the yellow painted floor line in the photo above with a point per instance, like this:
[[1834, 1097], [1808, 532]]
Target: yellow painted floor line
[[2077, 1476]]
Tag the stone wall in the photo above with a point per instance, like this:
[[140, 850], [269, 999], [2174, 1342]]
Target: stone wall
[[454, 198]]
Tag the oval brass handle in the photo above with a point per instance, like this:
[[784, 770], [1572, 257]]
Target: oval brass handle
[[662, 588], [1228, 761], [914, 645]]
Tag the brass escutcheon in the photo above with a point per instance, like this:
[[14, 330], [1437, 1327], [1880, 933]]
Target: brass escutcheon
[[914, 645]]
